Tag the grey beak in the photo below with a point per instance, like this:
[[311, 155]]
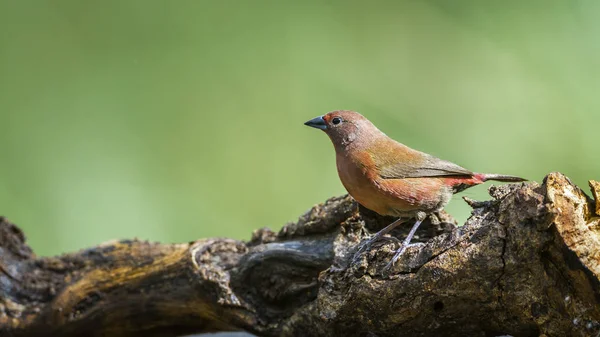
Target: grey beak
[[317, 122]]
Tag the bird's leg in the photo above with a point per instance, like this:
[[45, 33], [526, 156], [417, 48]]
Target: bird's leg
[[381, 233], [420, 217], [387, 229]]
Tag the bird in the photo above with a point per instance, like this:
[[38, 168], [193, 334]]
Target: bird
[[391, 178]]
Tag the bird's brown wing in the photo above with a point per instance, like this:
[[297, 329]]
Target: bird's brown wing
[[401, 162]]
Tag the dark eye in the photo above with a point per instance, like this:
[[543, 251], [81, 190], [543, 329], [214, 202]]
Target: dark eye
[[336, 120]]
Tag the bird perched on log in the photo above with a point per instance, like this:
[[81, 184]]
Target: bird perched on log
[[390, 178]]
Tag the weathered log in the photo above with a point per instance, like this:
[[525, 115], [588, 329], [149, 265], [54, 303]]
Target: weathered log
[[526, 263]]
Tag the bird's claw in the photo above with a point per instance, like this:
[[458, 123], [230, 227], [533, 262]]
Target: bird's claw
[[364, 248], [367, 245], [399, 253]]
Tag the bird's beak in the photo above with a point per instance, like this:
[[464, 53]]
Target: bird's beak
[[317, 122]]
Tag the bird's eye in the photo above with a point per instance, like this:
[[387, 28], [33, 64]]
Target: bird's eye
[[336, 120]]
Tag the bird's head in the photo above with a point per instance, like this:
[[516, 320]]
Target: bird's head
[[344, 127]]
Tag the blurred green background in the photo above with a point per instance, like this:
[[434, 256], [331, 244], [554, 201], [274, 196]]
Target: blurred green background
[[175, 120]]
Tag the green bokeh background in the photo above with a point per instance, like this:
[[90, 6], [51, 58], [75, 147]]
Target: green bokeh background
[[175, 120]]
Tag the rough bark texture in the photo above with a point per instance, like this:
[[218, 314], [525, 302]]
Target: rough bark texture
[[526, 263]]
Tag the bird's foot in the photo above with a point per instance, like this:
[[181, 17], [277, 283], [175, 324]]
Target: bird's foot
[[380, 235], [371, 241], [399, 253], [366, 247]]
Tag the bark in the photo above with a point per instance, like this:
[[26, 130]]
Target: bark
[[526, 263]]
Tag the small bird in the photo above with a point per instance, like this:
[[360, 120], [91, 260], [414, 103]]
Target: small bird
[[390, 178]]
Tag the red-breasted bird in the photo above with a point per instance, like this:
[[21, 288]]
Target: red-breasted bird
[[391, 178]]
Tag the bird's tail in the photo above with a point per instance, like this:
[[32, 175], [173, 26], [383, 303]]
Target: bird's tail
[[498, 177]]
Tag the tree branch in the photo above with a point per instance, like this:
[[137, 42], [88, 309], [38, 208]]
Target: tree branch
[[526, 263]]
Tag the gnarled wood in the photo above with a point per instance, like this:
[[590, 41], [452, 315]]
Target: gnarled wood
[[526, 263]]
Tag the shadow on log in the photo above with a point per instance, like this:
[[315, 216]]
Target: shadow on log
[[526, 263]]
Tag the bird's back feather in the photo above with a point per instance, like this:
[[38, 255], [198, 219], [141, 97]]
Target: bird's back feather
[[394, 160]]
